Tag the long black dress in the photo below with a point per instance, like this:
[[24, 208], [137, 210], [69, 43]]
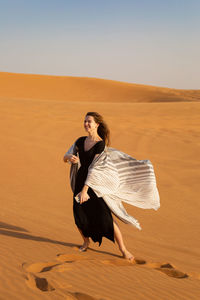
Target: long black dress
[[93, 217]]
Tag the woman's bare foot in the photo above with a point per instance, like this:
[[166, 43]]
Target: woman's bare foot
[[85, 245], [127, 255]]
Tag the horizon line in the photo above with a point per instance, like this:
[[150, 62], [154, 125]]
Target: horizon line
[[106, 79]]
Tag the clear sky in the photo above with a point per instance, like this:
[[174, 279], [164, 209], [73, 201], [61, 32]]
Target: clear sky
[[154, 42]]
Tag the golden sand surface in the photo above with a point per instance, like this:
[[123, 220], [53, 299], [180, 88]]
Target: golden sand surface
[[40, 117]]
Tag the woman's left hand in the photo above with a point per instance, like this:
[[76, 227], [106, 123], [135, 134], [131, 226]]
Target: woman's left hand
[[83, 196]]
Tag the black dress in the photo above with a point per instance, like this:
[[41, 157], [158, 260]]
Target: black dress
[[93, 217]]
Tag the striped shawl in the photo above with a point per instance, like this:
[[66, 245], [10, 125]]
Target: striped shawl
[[117, 177]]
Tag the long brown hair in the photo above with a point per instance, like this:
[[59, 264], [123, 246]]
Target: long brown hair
[[103, 130]]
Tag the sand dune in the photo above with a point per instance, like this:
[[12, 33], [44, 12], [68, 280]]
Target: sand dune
[[24, 86], [40, 117]]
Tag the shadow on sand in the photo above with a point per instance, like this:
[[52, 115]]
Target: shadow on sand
[[28, 236], [11, 227]]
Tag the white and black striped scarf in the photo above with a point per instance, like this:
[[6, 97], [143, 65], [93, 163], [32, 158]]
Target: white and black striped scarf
[[117, 177]]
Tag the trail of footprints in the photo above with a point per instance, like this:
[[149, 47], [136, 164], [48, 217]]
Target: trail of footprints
[[64, 262]]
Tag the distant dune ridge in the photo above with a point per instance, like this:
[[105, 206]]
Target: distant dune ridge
[[27, 86]]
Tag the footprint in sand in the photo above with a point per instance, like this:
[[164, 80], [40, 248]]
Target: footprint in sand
[[45, 267], [36, 282], [39, 267], [169, 270], [166, 268], [62, 262]]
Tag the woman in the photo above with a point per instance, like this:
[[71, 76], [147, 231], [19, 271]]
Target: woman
[[92, 215]]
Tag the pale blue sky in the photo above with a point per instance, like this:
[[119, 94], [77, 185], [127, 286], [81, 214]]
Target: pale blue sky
[[149, 42]]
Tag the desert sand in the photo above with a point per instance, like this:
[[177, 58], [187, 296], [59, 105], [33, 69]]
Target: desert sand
[[40, 117]]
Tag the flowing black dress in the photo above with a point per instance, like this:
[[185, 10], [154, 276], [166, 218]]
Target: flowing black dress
[[93, 217]]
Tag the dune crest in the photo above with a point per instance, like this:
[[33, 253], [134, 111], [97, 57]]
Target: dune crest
[[66, 88]]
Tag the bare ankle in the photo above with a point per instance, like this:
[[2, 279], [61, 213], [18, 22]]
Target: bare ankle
[[86, 241], [122, 249]]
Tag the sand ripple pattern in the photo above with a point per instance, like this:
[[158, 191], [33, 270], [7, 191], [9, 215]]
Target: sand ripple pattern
[[64, 263]]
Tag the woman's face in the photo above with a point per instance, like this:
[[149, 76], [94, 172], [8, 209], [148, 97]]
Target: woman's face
[[89, 124]]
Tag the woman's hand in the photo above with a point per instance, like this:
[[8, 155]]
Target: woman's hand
[[83, 195], [73, 159]]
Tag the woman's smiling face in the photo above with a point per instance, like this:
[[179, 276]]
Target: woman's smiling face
[[89, 124]]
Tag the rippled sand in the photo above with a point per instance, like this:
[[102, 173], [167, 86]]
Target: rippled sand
[[40, 117]]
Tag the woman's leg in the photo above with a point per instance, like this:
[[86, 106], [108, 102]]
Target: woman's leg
[[119, 239], [86, 242]]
